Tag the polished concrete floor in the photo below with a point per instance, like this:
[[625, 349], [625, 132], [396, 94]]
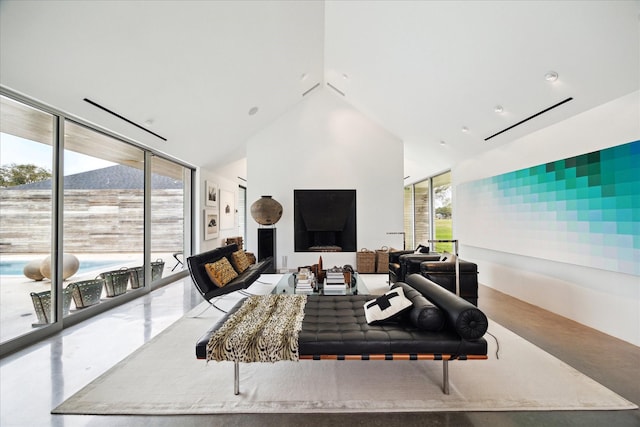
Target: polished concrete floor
[[38, 378]]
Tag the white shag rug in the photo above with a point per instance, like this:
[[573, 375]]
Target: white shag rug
[[163, 377]]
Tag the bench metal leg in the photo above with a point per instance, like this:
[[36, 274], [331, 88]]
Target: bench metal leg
[[445, 376], [236, 378]]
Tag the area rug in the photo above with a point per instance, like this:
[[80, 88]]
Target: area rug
[[163, 377]]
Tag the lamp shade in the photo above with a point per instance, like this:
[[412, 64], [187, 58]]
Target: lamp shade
[[266, 210]]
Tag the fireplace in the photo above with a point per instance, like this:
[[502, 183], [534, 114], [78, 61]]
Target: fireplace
[[324, 220]]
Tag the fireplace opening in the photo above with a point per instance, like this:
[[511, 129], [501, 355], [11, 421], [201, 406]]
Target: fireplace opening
[[325, 220]]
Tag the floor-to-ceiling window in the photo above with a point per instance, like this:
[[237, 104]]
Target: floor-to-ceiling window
[[84, 216], [422, 213], [169, 182], [26, 217], [442, 210], [428, 213], [103, 212], [409, 242]]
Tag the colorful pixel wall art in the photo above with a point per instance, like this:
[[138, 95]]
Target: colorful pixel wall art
[[582, 210]]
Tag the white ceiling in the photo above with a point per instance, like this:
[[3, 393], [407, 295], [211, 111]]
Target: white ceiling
[[422, 70]]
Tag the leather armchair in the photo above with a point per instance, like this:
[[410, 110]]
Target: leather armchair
[[407, 263], [394, 265], [444, 274]]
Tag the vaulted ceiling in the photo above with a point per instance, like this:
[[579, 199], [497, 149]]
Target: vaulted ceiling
[[206, 75]]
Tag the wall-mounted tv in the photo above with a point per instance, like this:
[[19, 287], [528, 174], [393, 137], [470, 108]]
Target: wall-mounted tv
[[324, 220]]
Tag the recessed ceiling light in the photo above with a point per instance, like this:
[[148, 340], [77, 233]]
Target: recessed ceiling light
[[551, 76], [464, 129], [253, 110], [442, 143], [304, 76], [498, 109], [345, 76], [149, 122]]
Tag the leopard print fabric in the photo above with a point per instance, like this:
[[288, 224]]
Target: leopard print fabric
[[264, 329]]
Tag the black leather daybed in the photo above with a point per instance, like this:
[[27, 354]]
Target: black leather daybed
[[335, 327]]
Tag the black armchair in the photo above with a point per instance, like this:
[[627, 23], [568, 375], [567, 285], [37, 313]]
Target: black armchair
[[403, 263]]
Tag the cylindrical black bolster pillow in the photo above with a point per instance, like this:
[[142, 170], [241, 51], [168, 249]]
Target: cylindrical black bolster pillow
[[424, 314], [468, 320]]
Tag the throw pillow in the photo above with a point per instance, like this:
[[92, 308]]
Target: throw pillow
[[421, 249], [446, 256], [240, 261], [251, 257], [386, 307], [220, 272]]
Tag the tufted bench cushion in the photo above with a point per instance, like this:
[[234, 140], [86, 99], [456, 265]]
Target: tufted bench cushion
[[337, 325]]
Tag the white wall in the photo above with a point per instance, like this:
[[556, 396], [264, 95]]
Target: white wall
[[225, 181], [323, 143], [605, 300]]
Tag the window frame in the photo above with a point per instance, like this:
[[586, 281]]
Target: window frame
[[61, 322]]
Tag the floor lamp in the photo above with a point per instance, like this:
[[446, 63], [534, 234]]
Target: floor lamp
[[455, 252]]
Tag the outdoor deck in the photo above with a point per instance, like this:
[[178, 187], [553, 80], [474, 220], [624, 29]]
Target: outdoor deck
[[17, 314]]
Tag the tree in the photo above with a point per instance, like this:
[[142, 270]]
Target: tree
[[14, 174], [444, 212]]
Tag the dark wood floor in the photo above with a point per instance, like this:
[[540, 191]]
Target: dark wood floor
[[27, 399]]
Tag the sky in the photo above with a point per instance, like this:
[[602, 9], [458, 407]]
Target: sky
[[14, 149]]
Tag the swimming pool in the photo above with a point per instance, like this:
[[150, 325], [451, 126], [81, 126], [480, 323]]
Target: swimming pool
[[16, 267]]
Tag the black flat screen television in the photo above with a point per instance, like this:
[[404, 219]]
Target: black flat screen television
[[324, 220]]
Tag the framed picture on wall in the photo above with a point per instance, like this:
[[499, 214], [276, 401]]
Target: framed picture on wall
[[211, 194], [227, 210], [211, 224]]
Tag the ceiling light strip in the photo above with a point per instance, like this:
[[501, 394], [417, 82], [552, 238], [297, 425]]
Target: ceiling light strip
[[95, 104], [530, 117], [309, 90], [336, 89]]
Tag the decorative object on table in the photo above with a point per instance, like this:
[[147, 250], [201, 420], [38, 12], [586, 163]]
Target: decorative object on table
[[382, 260], [334, 283], [349, 275], [321, 272], [115, 282], [211, 194], [86, 292], [266, 210], [304, 283], [227, 210], [366, 261], [210, 224], [70, 265]]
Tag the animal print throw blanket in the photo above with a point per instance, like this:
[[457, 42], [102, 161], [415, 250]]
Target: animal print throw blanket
[[264, 329]]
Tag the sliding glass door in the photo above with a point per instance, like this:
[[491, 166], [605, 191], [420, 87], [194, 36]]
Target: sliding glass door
[[26, 218], [428, 213], [88, 220]]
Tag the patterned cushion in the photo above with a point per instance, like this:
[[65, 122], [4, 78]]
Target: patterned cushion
[[240, 261], [387, 307], [220, 272], [251, 257]]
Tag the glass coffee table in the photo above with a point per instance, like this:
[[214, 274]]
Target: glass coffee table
[[286, 285]]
